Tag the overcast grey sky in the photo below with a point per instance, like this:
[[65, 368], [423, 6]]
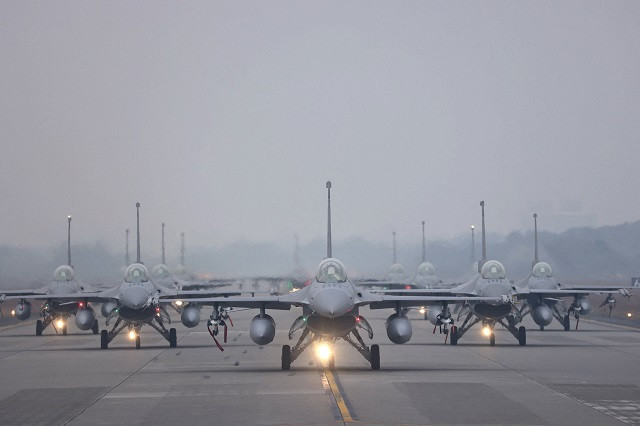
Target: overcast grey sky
[[224, 119]]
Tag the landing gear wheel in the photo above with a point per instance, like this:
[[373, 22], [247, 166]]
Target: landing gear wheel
[[104, 339], [95, 328], [453, 335], [331, 365], [138, 342], [39, 328], [173, 339], [522, 336], [566, 323], [492, 339], [375, 357], [64, 330], [286, 357]]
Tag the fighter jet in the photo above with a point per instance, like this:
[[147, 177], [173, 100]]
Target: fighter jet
[[330, 312], [55, 312], [490, 282], [426, 275], [542, 294], [138, 301], [396, 278]]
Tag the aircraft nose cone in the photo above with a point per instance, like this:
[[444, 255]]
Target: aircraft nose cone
[[135, 297], [332, 303]]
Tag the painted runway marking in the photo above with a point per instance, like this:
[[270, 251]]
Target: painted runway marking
[[335, 390]]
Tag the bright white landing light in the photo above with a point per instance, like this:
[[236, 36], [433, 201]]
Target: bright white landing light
[[423, 310], [628, 314], [323, 351], [132, 335], [486, 331], [179, 302], [60, 323]]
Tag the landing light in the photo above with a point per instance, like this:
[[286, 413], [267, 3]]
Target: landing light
[[422, 310], [60, 323], [486, 331], [323, 351], [132, 335], [628, 314], [179, 302], [13, 312]]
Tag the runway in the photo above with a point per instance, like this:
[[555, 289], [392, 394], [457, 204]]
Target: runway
[[588, 376]]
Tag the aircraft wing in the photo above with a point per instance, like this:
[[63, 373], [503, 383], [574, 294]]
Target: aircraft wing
[[22, 294], [523, 293], [596, 289], [442, 292], [405, 301], [268, 302]]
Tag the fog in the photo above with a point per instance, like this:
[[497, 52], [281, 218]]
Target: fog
[[224, 119], [579, 254]]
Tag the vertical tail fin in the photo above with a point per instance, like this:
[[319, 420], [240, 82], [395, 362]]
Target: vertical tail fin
[[182, 248], [329, 253], [473, 244], [163, 260], [424, 248], [395, 258], [127, 259], [296, 252], [484, 242], [69, 240], [138, 233], [535, 238]]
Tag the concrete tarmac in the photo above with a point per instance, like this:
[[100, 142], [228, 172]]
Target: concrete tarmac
[[583, 377]]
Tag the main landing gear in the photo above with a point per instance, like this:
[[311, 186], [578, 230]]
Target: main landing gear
[[134, 332], [488, 327], [307, 338]]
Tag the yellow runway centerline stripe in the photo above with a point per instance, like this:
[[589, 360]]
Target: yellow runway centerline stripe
[[344, 411]]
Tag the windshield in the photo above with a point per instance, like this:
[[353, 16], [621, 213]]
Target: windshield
[[136, 273], [331, 271]]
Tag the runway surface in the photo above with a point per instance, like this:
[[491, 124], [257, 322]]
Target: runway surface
[[588, 376]]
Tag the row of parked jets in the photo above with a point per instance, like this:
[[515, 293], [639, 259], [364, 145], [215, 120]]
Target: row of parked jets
[[330, 303]]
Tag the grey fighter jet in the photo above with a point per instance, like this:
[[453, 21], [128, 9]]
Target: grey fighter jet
[[55, 312], [138, 301], [330, 311], [542, 294]]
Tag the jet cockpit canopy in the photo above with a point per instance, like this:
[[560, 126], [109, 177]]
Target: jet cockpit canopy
[[63, 273], [331, 271], [396, 268], [136, 273], [426, 268], [161, 271], [494, 270], [542, 270]]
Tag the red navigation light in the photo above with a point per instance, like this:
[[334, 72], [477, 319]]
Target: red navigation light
[[157, 308], [81, 304], [358, 319], [408, 287]]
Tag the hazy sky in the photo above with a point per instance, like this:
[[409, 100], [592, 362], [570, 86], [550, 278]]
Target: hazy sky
[[224, 119]]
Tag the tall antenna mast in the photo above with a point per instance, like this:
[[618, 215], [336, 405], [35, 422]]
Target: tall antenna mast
[[424, 248], [127, 260], [69, 241], [394, 247], [138, 233], [535, 237], [484, 242], [329, 219], [182, 248], [163, 261]]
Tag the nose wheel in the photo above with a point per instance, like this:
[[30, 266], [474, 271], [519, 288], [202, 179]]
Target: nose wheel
[[286, 357], [375, 357], [104, 339], [39, 328]]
